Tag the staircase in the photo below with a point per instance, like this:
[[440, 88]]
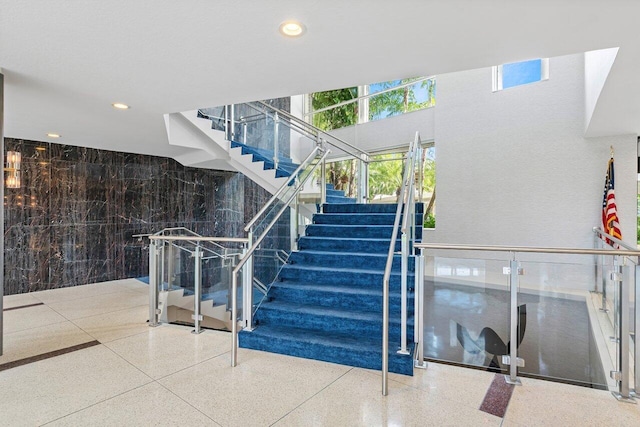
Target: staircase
[[326, 303]]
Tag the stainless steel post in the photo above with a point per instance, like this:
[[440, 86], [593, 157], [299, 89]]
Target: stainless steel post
[[197, 289], [636, 331], [276, 139], [419, 312], [232, 122], [363, 180], [153, 283], [1, 211], [513, 350], [404, 260], [247, 289], [234, 319], [227, 126], [323, 182], [623, 318], [168, 255], [385, 337]]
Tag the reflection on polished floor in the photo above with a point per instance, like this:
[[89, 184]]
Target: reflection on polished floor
[[557, 339], [100, 364]]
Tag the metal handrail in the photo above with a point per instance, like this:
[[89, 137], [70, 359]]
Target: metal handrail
[[187, 239], [408, 195], [318, 131], [284, 186], [202, 239], [608, 236], [387, 276], [249, 253], [529, 249], [369, 95]]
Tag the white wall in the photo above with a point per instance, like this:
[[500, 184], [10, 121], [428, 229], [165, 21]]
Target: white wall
[[513, 167], [597, 65], [395, 131]]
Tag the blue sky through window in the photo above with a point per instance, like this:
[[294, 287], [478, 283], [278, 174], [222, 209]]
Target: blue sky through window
[[521, 73]]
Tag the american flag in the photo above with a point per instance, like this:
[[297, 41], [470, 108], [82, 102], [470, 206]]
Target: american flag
[[610, 223]]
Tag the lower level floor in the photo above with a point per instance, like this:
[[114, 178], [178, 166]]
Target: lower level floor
[[85, 356]]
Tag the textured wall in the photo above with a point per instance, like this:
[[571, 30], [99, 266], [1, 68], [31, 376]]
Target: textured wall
[[71, 221]]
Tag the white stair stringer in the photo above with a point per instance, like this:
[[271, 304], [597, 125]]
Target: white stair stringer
[[210, 150]]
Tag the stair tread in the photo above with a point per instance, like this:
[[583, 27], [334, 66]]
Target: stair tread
[[337, 289], [328, 338], [317, 310], [343, 270]]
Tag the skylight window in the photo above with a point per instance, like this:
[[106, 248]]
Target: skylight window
[[506, 76]]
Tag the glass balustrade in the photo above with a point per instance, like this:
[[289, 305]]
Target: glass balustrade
[[549, 304]]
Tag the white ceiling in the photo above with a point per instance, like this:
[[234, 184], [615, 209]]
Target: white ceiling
[[66, 61]]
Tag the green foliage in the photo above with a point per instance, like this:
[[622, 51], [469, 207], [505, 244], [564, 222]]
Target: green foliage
[[430, 221], [385, 177], [638, 232], [401, 100], [335, 118]]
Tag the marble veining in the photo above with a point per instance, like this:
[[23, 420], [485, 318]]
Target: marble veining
[[72, 219]]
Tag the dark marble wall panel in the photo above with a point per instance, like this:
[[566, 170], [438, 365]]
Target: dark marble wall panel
[[72, 220]]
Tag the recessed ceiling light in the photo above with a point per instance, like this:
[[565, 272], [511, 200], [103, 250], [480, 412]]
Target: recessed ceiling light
[[54, 135], [291, 28], [120, 106]]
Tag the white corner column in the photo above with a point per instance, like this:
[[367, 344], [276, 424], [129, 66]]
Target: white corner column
[[1, 210]]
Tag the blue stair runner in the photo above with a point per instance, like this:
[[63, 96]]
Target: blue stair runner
[[326, 303], [285, 166]]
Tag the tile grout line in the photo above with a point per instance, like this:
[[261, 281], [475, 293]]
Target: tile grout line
[[47, 355], [23, 306], [96, 403], [312, 396], [179, 397]]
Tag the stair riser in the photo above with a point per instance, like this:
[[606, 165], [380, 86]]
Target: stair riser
[[282, 318], [336, 193], [355, 231], [345, 356], [359, 219], [368, 208], [340, 200], [335, 300], [361, 279], [341, 260], [345, 245]]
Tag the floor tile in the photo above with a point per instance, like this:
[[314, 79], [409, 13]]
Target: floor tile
[[167, 349], [539, 402], [10, 301], [133, 285], [149, 405], [49, 389], [99, 304], [35, 341], [118, 324], [51, 296], [356, 400], [467, 386], [30, 317], [223, 391]]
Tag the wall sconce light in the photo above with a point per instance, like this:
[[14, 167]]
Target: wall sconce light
[[13, 161]]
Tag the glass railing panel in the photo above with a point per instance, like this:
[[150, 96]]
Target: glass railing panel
[[274, 250], [564, 336], [466, 309], [272, 136], [180, 270]]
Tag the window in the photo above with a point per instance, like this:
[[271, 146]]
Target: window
[[506, 76]]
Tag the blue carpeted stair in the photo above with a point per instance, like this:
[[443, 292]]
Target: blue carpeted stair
[[285, 166], [326, 303]]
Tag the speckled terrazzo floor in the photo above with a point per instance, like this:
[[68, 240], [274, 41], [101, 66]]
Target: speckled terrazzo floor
[[137, 375]]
